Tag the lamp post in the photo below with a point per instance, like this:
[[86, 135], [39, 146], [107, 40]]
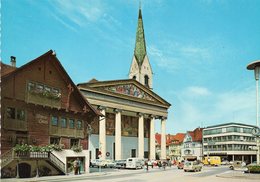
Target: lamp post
[[256, 67]]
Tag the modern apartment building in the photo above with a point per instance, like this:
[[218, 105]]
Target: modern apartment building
[[231, 141]]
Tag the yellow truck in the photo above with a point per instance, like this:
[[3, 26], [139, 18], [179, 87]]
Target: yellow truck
[[212, 160]]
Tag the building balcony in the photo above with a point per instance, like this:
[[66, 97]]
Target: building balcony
[[67, 132], [227, 149], [14, 124], [43, 99]]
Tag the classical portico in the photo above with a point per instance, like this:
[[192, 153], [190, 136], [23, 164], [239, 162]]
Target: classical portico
[[128, 128]]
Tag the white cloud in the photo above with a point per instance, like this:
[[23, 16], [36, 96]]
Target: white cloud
[[63, 23], [175, 56], [200, 91], [231, 106], [80, 12]]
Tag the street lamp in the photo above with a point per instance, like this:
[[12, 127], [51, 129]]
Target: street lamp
[[256, 67]]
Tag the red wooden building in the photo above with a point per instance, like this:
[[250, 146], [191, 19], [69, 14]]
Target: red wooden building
[[42, 111]]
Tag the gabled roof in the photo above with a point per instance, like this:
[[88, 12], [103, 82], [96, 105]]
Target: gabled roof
[[114, 88], [51, 54], [196, 134], [140, 47], [6, 69], [179, 137]]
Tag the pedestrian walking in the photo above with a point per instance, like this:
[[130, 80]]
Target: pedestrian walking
[[164, 165], [147, 166], [159, 164]]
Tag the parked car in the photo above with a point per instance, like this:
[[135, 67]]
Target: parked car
[[97, 163], [180, 165], [110, 163], [252, 168], [236, 165], [120, 164], [212, 160], [192, 166], [134, 163], [225, 162]]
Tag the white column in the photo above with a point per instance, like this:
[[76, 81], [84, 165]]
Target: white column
[[163, 138], [141, 136], [257, 70], [102, 134], [118, 148], [152, 139]]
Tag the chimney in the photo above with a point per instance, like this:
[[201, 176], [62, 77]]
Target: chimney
[[13, 61]]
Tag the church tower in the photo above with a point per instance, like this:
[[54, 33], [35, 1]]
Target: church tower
[[141, 69]]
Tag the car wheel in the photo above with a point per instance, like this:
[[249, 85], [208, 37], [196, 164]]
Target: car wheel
[[185, 170]]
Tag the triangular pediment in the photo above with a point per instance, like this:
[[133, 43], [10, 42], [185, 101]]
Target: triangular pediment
[[127, 89], [130, 90]]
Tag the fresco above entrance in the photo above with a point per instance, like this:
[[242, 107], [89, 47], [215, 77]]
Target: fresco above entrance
[[130, 90]]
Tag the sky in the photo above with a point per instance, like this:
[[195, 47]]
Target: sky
[[198, 49]]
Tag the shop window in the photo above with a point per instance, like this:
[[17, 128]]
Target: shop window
[[54, 140], [20, 114], [79, 124], [54, 121], [71, 123], [63, 122], [10, 113]]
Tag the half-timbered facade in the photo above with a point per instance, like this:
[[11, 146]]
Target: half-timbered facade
[[42, 110]]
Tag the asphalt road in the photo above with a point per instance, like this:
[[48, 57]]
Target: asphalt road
[[208, 174], [170, 174]]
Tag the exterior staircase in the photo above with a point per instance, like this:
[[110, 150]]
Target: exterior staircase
[[51, 158]]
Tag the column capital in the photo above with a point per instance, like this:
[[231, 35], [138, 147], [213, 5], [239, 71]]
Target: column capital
[[101, 107], [117, 110], [161, 117], [152, 116], [140, 114], [164, 117]]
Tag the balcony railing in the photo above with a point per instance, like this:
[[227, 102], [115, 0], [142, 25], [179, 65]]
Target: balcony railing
[[227, 149], [11, 155], [14, 124], [68, 132]]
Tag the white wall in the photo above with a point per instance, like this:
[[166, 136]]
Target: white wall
[[128, 143]]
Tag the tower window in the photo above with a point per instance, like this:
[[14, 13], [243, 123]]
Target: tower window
[[134, 77], [146, 80]]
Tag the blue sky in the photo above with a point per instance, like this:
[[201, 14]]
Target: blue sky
[[198, 49]]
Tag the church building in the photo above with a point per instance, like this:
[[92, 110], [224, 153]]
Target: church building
[[130, 108]]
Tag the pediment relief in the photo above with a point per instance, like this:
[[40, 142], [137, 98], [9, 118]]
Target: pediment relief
[[129, 90]]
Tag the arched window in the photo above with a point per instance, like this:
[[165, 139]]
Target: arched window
[[134, 77], [146, 80]]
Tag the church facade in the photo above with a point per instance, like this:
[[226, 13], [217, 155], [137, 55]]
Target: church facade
[[130, 108]]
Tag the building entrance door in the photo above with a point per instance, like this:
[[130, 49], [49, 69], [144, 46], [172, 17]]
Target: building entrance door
[[133, 153]]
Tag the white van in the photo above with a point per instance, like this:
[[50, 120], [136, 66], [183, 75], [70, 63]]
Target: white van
[[134, 163]]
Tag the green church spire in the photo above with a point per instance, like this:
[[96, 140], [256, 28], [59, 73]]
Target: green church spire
[[140, 47]]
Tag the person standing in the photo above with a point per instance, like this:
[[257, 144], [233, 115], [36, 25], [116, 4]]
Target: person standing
[[76, 166], [79, 165]]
